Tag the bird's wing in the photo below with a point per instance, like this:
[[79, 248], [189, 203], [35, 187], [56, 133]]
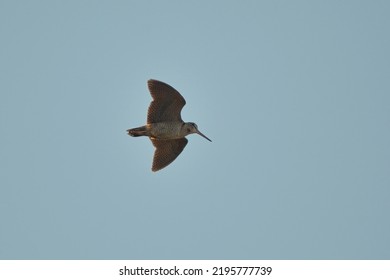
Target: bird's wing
[[166, 151], [167, 103]]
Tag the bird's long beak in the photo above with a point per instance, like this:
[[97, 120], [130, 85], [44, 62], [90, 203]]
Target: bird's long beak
[[201, 134]]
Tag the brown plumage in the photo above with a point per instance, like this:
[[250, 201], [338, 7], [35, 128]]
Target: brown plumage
[[164, 127]]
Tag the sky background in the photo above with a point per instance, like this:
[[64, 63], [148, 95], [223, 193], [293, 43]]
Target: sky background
[[294, 94]]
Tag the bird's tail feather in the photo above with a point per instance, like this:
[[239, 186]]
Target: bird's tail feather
[[138, 131]]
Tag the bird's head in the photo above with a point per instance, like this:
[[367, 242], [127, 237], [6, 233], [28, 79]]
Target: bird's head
[[191, 127]]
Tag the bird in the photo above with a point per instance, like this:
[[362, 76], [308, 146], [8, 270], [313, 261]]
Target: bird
[[164, 125]]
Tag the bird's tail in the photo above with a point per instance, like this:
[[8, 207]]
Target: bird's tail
[[138, 131]]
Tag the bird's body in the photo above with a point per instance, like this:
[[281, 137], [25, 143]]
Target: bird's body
[[161, 130], [164, 127]]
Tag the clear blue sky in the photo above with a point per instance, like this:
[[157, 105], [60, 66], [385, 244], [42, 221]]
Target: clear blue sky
[[294, 94]]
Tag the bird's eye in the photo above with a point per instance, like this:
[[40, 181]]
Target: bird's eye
[[188, 130]]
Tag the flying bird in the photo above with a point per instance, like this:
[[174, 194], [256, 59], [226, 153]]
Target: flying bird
[[164, 126]]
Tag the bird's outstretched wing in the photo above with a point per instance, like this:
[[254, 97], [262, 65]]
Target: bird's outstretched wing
[[167, 103], [166, 151]]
